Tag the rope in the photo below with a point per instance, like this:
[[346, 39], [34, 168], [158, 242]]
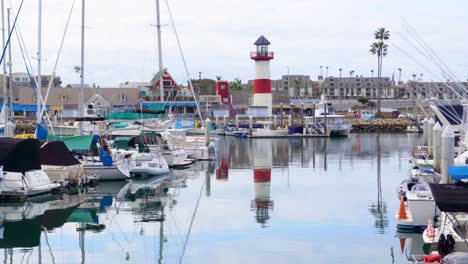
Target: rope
[[11, 32], [57, 59], [191, 222], [185, 63]]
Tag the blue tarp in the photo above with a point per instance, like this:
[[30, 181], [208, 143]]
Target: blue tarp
[[21, 107], [458, 172]]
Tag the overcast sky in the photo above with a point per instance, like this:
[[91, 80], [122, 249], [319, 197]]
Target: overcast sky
[[217, 37]]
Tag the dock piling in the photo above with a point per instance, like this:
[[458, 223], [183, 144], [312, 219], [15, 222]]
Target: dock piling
[[250, 125], [425, 130], [437, 146], [448, 152], [207, 132], [430, 144], [275, 122]]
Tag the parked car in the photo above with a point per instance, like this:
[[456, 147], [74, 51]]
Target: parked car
[[405, 116]]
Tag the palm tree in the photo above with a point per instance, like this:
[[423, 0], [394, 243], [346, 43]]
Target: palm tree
[[414, 77], [380, 49], [372, 73], [326, 75], [351, 73], [340, 71]]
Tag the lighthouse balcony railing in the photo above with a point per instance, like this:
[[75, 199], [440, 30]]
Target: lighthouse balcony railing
[[262, 55]]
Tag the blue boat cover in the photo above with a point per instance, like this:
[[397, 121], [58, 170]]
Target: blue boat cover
[[458, 172]]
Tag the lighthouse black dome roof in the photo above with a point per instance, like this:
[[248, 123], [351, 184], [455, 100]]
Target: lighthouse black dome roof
[[262, 41]]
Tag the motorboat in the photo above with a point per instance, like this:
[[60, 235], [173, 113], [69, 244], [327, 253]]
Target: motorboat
[[418, 176], [141, 161], [21, 173], [420, 207]]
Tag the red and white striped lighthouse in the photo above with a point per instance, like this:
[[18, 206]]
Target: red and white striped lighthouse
[[262, 83]]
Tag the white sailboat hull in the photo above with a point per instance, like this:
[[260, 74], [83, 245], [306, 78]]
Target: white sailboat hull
[[60, 174]]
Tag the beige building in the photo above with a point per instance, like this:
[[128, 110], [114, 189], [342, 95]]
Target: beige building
[[355, 87], [61, 100]]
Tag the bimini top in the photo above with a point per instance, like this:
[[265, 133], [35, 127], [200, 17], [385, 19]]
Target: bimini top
[[56, 153], [19, 155]]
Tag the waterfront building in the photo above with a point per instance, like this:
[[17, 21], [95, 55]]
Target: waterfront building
[[359, 86], [434, 90]]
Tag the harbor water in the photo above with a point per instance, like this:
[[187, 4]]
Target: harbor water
[[311, 200]]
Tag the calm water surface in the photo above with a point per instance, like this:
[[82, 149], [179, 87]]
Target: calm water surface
[[263, 201]]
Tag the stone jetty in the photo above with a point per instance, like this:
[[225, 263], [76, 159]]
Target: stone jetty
[[381, 125]]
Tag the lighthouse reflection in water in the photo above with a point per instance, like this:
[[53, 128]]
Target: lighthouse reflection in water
[[263, 201]]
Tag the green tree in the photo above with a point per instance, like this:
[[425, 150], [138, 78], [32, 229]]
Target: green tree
[[235, 85], [363, 100], [204, 86], [380, 49]]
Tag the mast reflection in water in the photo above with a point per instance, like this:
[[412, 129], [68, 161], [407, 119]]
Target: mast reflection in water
[[314, 195]]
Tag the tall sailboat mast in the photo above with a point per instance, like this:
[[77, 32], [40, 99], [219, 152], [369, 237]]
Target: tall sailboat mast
[[81, 102], [5, 112], [10, 71], [39, 77], [161, 79]]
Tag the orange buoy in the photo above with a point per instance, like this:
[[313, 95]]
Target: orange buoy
[[402, 211], [402, 244]]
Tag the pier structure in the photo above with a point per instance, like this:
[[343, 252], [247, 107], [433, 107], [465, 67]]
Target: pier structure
[[262, 204], [262, 83]]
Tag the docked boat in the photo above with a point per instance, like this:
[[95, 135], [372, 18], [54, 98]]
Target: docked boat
[[452, 200], [420, 207], [97, 159], [141, 161], [60, 165], [21, 174], [326, 122]]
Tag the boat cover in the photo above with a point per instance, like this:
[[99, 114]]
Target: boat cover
[[56, 153], [19, 155], [74, 143], [452, 112], [458, 173], [450, 197]]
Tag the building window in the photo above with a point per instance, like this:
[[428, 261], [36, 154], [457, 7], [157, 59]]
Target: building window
[[25, 79], [123, 98], [64, 98], [34, 98]]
